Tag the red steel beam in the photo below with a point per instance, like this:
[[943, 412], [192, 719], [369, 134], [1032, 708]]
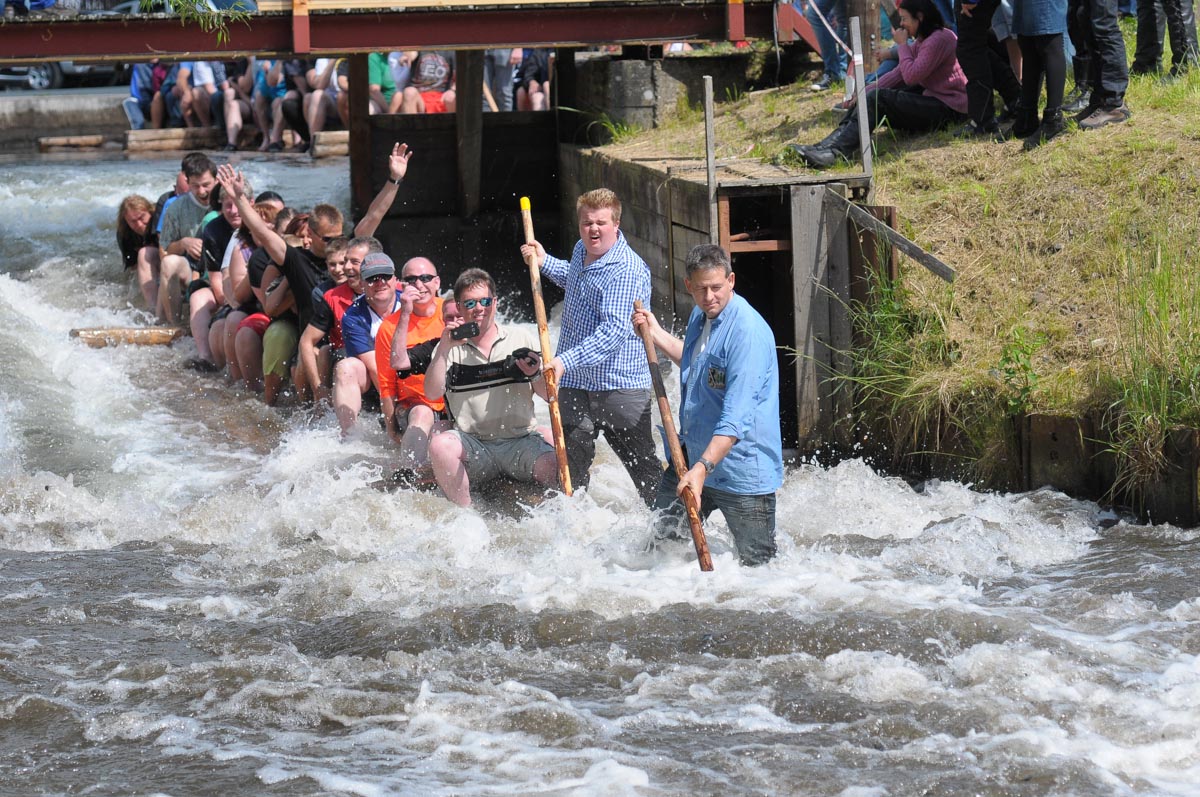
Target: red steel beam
[[132, 38]]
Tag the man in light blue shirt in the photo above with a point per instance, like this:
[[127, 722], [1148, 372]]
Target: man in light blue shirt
[[728, 409], [604, 380]]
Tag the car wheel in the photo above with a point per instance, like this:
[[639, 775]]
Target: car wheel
[[47, 75]]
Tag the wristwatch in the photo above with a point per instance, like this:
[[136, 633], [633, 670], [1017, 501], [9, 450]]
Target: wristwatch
[[708, 466], [397, 181]]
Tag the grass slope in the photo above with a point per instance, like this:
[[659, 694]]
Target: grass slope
[[1078, 289]]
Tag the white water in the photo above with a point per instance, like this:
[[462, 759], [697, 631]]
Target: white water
[[203, 596]]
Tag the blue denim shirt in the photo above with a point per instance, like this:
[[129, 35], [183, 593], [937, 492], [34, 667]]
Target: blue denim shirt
[[732, 388]]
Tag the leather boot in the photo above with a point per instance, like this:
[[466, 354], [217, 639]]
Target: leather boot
[[1053, 125], [1026, 122]]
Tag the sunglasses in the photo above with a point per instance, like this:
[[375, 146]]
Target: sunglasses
[[328, 239], [413, 279], [376, 279], [469, 304]]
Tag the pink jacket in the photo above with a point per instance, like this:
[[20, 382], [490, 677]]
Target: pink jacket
[[930, 63]]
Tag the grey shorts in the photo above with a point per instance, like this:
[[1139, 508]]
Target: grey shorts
[[512, 457]]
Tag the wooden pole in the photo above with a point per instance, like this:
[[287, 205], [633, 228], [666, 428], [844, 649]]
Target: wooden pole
[[860, 106], [99, 337], [710, 144], [680, 465], [539, 309]]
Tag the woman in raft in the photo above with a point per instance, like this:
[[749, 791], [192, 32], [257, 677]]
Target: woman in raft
[[925, 92]]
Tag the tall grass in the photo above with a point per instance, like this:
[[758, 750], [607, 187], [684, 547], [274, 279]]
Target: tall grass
[[1156, 384]]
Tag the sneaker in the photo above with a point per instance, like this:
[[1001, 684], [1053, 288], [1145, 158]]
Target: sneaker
[[1050, 128], [1076, 100], [1105, 116], [133, 112], [824, 84], [230, 148]]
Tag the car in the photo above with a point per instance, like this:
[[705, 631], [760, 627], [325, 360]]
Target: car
[[55, 74]]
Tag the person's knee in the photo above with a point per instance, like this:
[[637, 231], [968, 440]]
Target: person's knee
[[420, 415], [444, 448]]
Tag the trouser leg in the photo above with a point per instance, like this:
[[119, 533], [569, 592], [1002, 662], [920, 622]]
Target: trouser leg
[[1110, 68], [1054, 61], [580, 430], [626, 419], [1077, 30], [751, 521], [1151, 25], [976, 61], [1181, 23]]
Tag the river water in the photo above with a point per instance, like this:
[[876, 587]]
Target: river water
[[204, 597]]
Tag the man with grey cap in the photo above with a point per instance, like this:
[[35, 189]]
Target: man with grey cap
[[356, 375]]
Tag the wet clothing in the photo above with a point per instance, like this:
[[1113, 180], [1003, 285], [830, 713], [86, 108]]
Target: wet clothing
[[329, 305], [182, 219], [360, 322], [304, 271], [216, 237]]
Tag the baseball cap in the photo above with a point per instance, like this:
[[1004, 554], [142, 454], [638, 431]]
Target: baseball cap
[[377, 264]]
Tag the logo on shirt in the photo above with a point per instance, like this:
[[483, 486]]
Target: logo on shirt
[[716, 378]]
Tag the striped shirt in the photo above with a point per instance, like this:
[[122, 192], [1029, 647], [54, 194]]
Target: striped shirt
[[598, 345]]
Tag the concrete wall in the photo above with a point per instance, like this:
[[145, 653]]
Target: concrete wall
[[27, 116]]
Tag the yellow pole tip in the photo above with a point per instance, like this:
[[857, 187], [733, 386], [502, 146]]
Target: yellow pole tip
[[525, 203]]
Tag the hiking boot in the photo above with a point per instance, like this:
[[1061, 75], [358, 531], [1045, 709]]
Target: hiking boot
[[819, 158], [1052, 125], [1026, 122], [1105, 116], [1076, 100]]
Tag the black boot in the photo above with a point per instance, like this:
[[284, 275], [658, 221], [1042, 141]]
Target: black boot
[[1026, 122], [1053, 125]]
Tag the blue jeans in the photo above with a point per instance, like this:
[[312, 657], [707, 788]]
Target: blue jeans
[[751, 518], [832, 55]]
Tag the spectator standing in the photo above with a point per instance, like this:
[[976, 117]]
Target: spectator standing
[[1108, 73], [533, 91], [833, 57], [986, 68], [1156, 18], [1040, 25]]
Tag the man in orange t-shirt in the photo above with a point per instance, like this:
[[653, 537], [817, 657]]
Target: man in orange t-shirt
[[408, 415]]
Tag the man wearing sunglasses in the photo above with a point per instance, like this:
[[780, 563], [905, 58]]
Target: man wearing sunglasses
[[408, 413], [488, 381], [355, 377], [604, 380]]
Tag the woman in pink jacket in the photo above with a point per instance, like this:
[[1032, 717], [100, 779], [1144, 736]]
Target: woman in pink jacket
[[925, 92]]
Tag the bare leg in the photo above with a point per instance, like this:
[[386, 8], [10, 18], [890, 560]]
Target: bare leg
[[261, 106], [201, 105], [201, 305], [350, 381], [412, 101], [248, 344], [216, 341], [147, 275], [321, 389], [447, 455], [229, 345], [450, 100], [233, 116], [277, 120], [545, 469], [414, 446], [158, 110], [173, 275]]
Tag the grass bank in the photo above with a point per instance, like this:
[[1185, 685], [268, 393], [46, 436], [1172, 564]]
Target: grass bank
[[1078, 290]]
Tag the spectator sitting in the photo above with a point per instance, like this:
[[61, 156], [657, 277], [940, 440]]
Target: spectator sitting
[[321, 106], [432, 84], [238, 99], [269, 89], [533, 89], [144, 81], [172, 104], [400, 62], [381, 86], [926, 91], [208, 92], [499, 68], [488, 381], [291, 109]]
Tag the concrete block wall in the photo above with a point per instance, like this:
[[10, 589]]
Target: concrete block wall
[[26, 117], [662, 217]]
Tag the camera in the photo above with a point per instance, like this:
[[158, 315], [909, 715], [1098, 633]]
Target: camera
[[467, 330]]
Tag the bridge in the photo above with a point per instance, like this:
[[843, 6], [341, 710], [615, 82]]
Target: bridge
[[326, 27]]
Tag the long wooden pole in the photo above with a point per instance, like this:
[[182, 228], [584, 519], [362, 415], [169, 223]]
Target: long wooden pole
[[677, 460], [539, 309]]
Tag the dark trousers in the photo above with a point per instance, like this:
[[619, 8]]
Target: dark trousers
[[1077, 30], [1108, 74], [293, 113], [1043, 56], [751, 518], [1155, 19], [625, 418], [981, 59], [902, 109]]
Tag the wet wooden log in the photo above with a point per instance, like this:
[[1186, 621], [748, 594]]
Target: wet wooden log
[[99, 337], [58, 143], [331, 144], [173, 138]]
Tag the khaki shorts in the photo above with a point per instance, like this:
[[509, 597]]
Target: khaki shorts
[[513, 457]]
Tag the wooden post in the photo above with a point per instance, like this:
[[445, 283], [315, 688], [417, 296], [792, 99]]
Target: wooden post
[[867, 12], [809, 262], [710, 144], [864, 128], [836, 394], [564, 86], [361, 188], [469, 121]]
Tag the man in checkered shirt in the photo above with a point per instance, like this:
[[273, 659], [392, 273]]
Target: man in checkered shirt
[[601, 364]]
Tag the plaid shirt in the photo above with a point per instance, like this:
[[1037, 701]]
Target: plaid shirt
[[598, 345]]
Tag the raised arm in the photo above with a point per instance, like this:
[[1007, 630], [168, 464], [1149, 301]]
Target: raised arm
[[382, 203], [233, 183]]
